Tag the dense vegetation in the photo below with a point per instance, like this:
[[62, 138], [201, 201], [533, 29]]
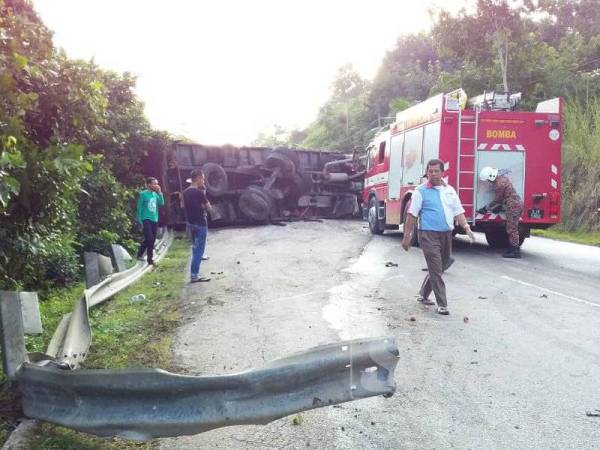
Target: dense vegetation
[[542, 48], [72, 138]]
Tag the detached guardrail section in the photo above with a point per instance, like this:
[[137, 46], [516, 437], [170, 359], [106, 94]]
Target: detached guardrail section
[[141, 404]]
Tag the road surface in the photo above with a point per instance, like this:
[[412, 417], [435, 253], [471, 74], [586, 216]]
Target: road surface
[[515, 365]]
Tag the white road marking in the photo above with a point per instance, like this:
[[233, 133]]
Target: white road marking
[[550, 291]]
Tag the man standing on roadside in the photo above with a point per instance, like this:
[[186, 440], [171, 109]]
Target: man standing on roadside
[[147, 215], [196, 205], [437, 206]]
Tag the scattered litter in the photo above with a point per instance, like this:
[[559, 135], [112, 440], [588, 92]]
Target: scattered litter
[[391, 264], [372, 423], [412, 319], [237, 262], [343, 429], [137, 298], [465, 319], [593, 414], [297, 420], [474, 350], [544, 296], [157, 284], [517, 427], [424, 269], [474, 362], [216, 273], [481, 297]]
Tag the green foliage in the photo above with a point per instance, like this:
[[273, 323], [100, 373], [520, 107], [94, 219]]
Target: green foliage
[[56, 114], [581, 168], [60, 261], [105, 211]]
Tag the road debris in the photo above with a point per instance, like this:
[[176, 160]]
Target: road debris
[[481, 297], [297, 420], [157, 284], [593, 414], [412, 319], [544, 296], [137, 298], [391, 264], [465, 319]]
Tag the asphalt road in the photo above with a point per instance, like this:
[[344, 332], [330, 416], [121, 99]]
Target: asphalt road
[[515, 365]]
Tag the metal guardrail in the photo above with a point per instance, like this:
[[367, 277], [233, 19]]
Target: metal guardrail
[[141, 404], [72, 339]]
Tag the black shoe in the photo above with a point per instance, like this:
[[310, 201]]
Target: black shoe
[[205, 258], [512, 252]]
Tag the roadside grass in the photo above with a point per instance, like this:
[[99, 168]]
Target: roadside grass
[[580, 237], [125, 333]]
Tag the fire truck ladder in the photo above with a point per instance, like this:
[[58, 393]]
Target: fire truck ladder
[[466, 160]]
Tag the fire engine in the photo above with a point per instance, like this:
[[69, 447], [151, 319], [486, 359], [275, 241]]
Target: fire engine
[[468, 135]]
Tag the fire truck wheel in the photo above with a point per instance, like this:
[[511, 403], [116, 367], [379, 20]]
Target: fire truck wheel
[[256, 203], [215, 178], [497, 238], [375, 224]]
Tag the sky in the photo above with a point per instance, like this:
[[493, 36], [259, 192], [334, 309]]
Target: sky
[[221, 71]]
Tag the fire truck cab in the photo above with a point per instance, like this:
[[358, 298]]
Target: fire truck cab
[[468, 135]]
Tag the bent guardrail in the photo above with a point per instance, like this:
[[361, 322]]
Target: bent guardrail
[[141, 404], [72, 339]]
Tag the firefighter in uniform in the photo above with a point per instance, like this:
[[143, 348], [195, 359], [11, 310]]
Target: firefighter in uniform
[[506, 198]]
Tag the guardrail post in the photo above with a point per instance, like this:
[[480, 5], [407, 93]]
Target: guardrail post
[[12, 334]]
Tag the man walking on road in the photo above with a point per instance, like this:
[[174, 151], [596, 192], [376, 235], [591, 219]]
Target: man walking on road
[[147, 215], [506, 198], [196, 204], [437, 206]]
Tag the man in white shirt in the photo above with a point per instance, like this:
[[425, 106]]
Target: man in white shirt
[[438, 207]]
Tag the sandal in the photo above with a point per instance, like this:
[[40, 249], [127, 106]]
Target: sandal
[[425, 301], [199, 280], [443, 310]]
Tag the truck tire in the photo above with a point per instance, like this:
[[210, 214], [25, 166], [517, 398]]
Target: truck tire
[[256, 204], [414, 240], [215, 178], [375, 225], [277, 159], [291, 154]]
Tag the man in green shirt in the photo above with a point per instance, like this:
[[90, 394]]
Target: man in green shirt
[[147, 215]]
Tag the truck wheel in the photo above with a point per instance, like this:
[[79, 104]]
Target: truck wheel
[[375, 224], [414, 240], [497, 238], [256, 204], [277, 159], [216, 179]]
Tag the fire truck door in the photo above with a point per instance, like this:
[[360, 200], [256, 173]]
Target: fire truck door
[[509, 163], [395, 175]]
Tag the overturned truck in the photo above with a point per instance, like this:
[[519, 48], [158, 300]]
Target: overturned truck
[[258, 185]]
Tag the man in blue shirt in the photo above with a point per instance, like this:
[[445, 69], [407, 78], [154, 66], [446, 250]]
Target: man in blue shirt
[[438, 207]]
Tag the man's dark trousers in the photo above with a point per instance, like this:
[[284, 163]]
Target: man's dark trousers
[[150, 231], [437, 249]]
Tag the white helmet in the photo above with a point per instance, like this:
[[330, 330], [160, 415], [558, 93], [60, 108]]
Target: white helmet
[[488, 173]]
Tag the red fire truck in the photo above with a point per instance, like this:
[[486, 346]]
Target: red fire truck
[[467, 136]]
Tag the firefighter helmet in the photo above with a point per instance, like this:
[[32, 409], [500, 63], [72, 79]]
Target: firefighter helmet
[[488, 173]]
